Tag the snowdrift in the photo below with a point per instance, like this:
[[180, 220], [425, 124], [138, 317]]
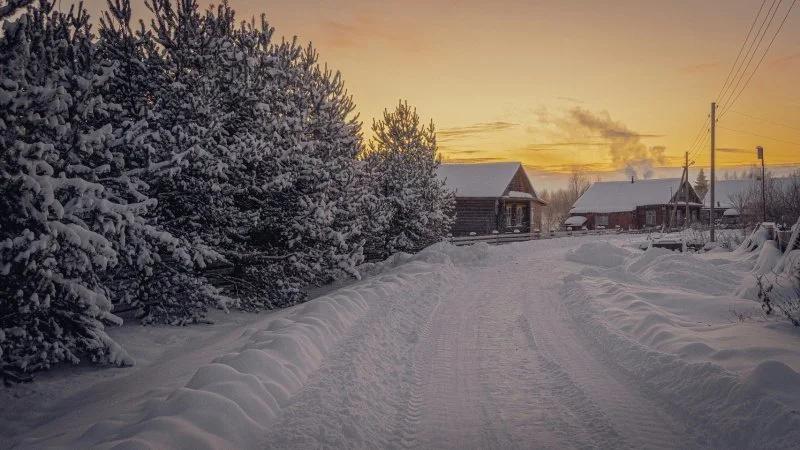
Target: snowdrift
[[669, 320], [599, 253], [230, 401]]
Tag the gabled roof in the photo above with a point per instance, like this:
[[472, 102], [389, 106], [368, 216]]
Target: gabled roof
[[724, 192], [479, 180], [621, 196]]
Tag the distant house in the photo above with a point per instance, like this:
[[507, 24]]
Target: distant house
[[634, 204], [730, 195], [725, 199], [492, 197]]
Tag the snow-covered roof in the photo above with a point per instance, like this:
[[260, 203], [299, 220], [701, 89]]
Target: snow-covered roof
[[517, 194], [478, 180], [575, 221], [730, 212], [725, 190], [621, 196]]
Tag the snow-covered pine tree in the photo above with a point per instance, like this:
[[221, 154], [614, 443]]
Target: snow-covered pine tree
[[267, 145], [404, 155], [312, 223], [329, 180], [172, 291], [73, 215], [701, 184]]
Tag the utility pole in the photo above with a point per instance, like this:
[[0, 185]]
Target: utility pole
[[686, 190], [673, 219], [760, 151], [713, 176]]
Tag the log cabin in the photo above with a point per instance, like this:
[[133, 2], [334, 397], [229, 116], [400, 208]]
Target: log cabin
[[492, 197], [634, 205]]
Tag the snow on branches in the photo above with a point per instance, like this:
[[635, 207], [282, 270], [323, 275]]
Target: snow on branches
[[419, 208], [135, 159]]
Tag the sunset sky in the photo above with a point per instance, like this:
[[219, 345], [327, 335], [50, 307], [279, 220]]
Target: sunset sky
[[560, 84]]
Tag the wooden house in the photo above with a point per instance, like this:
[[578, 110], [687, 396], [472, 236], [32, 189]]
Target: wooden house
[[635, 204], [492, 197], [726, 194]]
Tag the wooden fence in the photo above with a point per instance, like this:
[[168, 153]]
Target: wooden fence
[[506, 238]]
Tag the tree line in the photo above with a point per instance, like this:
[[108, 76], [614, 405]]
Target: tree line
[[135, 158]]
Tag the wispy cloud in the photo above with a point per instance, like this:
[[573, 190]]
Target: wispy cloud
[[473, 130], [361, 29], [471, 160], [700, 68], [569, 167], [562, 146], [786, 61], [733, 150], [570, 99]]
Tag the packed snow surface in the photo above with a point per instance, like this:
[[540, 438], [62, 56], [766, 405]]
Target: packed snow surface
[[565, 343]]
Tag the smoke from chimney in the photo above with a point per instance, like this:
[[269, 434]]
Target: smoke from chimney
[[625, 147]]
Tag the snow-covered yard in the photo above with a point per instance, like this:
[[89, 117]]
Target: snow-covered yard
[[573, 342]]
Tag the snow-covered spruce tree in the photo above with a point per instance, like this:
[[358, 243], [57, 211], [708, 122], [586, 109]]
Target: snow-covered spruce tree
[[171, 291], [72, 214], [701, 184], [266, 142], [404, 155], [312, 222]]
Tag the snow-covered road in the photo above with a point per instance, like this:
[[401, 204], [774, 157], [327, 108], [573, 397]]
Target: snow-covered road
[[565, 343], [497, 363]]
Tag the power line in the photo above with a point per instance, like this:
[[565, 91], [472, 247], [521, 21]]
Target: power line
[[763, 55], [741, 49], [762, 31], [699, 135], [759, 135], [765, 120], [733, 74]]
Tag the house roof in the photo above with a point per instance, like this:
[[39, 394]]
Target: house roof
[[479, 180], [621, 196], [726, 190], [576, 221]]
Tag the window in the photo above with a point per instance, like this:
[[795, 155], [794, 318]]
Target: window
[[520, 215], [509, 215], [650, 217], [601, 221]]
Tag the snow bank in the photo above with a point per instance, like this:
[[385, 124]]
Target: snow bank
[[768, 258], [668, 319], [663, 267], [230, 402], [756, 239], [792, 246]]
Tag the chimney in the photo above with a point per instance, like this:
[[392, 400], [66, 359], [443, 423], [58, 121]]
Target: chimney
[[631, 179]]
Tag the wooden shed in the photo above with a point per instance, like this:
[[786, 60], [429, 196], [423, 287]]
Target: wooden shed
[[492, 197], [635, 204]]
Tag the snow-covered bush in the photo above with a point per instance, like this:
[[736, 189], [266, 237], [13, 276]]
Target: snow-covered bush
[[419, 208], [73, 211]]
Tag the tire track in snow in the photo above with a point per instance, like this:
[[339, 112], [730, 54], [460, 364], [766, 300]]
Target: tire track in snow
[[362, 389], [488, 385], [640, 420], [408, 417], [584, 423]]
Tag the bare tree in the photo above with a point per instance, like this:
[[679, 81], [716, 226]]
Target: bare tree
[[560, 201]]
